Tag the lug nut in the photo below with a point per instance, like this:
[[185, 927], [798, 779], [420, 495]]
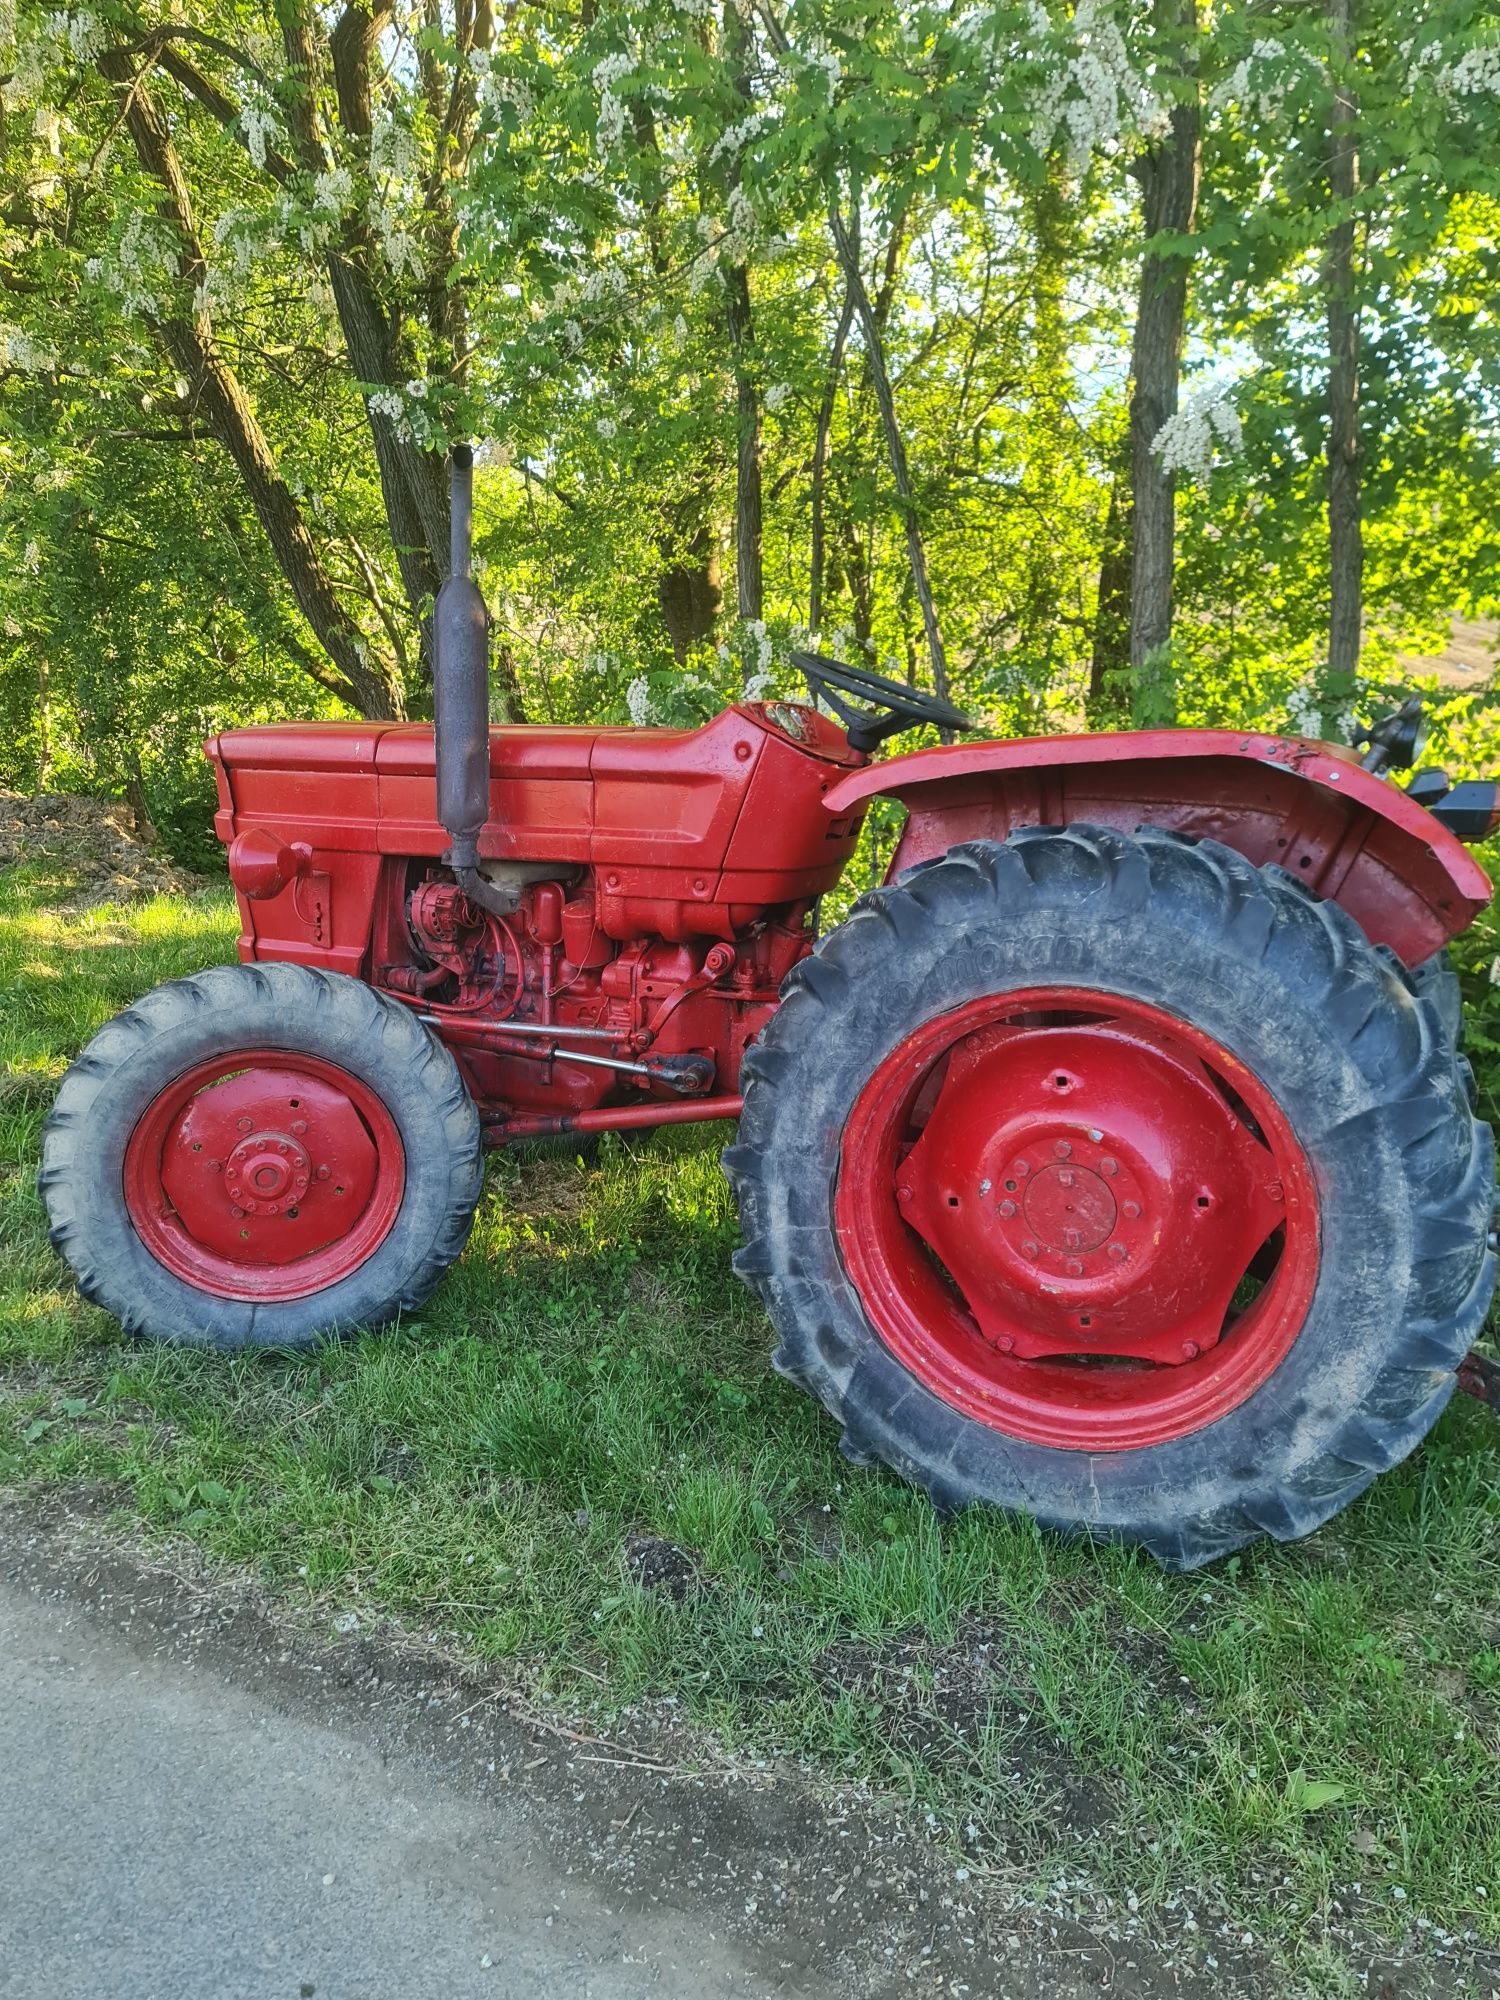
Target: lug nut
[[299, 1125], [1073, 1268], [1029, 1247], [243, 1124], [1007, 1208], [1065, 1178], [1130, 1208], [1190, 1350], [1118, 1253], [215, 1166], [1063, 1150], [1276, 1191], [236, 1213], [1005, 1344], [1021, 1167], [902, 1193], [323, 1174]]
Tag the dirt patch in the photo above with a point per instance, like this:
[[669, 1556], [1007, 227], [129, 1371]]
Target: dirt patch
[[1466, 663], [660, 1566], [94, 841]]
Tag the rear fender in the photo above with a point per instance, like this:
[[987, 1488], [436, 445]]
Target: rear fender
[[1308, 807]]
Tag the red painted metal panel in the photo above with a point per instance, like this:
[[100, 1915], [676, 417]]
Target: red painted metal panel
[[1349, 835], [541, 794]]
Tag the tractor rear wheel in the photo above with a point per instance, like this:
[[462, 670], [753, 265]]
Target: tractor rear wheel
[[258, 1156], [1117, 1182]]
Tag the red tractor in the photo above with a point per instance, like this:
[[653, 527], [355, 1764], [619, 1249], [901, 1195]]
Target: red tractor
[[1113, 1162]]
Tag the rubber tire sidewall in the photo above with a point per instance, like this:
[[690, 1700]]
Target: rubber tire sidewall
[[1257, 972], [275, 1007]]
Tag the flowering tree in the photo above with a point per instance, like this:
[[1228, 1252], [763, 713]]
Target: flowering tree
[[836, 319]]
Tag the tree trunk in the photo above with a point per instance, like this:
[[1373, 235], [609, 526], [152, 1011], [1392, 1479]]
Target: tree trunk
[[1345, 531], [369, 684], [748, 569], [1037, 622], [1109, 660], [819, 551], [688, 589], [748, 509], [1168, 174], [43, 723], [916, 552]]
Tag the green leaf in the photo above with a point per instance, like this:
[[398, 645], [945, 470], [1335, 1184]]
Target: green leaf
[[1309, 1795]]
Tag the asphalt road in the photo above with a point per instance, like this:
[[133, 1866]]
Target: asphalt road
[[164, 1837]]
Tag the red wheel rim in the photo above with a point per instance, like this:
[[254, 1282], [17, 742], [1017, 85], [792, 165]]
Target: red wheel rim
[[1077, 1218], [264, 1174]]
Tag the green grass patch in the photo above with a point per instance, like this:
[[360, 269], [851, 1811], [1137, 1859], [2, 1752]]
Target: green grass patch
[[579, 1462]]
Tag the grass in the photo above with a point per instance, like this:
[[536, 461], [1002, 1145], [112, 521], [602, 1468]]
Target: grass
[[592, 1382]]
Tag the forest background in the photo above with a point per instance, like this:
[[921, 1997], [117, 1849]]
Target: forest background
[[1128, 361]]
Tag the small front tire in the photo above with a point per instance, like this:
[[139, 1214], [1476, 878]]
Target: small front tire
[[259, 1156]]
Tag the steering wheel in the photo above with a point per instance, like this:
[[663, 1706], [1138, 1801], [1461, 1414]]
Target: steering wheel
[[905, 707]]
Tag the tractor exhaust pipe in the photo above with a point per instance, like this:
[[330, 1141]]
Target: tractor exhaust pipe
[[461, 695]]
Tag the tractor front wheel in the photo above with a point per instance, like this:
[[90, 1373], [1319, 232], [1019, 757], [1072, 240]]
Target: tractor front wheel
[[258, 1156], [1118, 1182]]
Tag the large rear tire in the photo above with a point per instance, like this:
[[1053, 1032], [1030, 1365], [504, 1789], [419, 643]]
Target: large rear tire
[[259, 1156], [1119, 1183]]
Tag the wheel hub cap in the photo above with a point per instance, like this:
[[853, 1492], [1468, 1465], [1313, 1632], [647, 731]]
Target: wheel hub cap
[[1077, 1216], [264, 1175]]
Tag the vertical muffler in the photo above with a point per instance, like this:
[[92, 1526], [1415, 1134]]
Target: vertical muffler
[[461, 694]]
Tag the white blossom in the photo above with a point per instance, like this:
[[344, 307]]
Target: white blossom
[[31, 557], [734, 138], [607, 428], [1263, 79], [761, 639], [139, 266], [390, 404], [1189, 441], [603, 284], [778, 395], [1095, 94], [1303, 712], [19, 351], [258, 123], [611, 126], [832, 70], [612, 70], [638, 701], [333, 190], [680, 327], [393, 151], [1475, 74], [744, 224]]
